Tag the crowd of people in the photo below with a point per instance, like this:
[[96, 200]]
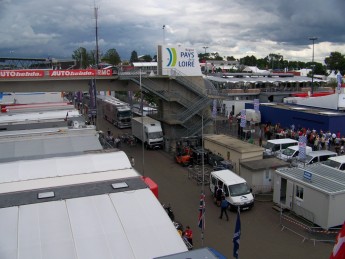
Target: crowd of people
[[317, 140]]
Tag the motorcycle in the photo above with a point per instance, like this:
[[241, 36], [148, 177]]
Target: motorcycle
[[169, 211]]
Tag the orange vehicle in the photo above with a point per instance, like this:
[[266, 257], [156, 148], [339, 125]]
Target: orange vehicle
[[183, 156]]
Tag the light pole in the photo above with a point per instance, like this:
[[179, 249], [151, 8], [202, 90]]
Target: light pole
[[313, 65], [163, 34], [205, 59]]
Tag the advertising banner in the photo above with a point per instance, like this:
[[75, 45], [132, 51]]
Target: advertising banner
[[21, 73], [178, 59], [80, 73]]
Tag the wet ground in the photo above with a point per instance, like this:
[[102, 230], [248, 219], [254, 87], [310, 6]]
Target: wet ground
[[261, 235]]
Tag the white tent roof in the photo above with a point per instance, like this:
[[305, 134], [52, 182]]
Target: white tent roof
[[104, 226], [37, 116], [37, 143], [63, 166]]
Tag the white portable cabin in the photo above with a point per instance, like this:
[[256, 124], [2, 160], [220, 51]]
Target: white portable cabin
[[259, 173], [81, 207], [232, 149], [316, 192], [40, 143]]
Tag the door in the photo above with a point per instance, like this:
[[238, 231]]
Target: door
[[286, 193], [267, 179]]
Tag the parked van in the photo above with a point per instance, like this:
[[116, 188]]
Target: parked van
[[277, 146], [292, 152], [315, 157], [337, 162], [235, 189]]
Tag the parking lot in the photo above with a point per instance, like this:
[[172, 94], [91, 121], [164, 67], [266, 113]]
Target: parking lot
[[261, 232]]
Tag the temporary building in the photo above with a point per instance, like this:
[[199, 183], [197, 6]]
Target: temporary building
[[232, 149], [259, 173], [315, 192]]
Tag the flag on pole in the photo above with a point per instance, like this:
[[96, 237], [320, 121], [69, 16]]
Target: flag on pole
[[243, 119], [201, 218], [302, 143], [237, 235], [339, 247], [339, 81]]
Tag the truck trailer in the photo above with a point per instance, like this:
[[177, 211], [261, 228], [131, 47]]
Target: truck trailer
[[152, 129]]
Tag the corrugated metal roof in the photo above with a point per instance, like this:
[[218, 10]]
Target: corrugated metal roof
[[30, 144], [261, 164], [234, 144], [324, 178]]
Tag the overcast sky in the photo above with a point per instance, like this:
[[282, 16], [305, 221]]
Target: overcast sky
[[47, 28]]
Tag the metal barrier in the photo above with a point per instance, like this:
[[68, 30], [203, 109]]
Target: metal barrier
[[306, 229]]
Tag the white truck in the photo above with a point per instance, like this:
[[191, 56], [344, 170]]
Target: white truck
[[152, 129]]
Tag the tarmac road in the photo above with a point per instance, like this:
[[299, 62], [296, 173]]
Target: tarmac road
[[261, 235]]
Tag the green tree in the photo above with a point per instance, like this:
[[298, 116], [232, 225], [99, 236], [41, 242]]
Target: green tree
[[249, 61], [230, 58], [92, 57], [261, 63], [336, 62], [147, 58], [319, 69], [134, 57], [112, 57], [275, 61], [82, 57]]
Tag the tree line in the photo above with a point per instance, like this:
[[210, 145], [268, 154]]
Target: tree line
[[335, 61]]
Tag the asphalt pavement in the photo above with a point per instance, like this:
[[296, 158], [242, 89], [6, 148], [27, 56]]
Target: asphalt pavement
[[261, 234]]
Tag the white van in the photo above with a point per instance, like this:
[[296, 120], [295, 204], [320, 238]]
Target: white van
[[292, 152], [315, 157], [235, 189], [337, 162], [277, 146]]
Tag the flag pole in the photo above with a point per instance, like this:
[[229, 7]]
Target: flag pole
[[237, 234]]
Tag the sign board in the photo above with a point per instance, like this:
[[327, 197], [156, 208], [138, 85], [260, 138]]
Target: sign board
[[178, 59], [256, 105], [307, 176], [302, 143]]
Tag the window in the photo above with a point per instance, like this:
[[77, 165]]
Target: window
[[299, 192]]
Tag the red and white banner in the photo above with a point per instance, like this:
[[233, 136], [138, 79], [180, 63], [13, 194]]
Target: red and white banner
[[80, 72], [21, 73], [339, 247]]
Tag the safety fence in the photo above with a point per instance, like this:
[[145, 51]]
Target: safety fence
[[306, 229]]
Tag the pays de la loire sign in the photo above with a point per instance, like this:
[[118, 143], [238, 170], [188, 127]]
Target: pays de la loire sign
[[182, 59]]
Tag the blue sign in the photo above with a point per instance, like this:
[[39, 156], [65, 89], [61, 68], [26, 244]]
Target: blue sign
[[307, 176], [256, 105]]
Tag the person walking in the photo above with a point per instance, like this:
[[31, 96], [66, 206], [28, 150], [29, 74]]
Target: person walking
[[132, 161], [223, 208], [219, 195]]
